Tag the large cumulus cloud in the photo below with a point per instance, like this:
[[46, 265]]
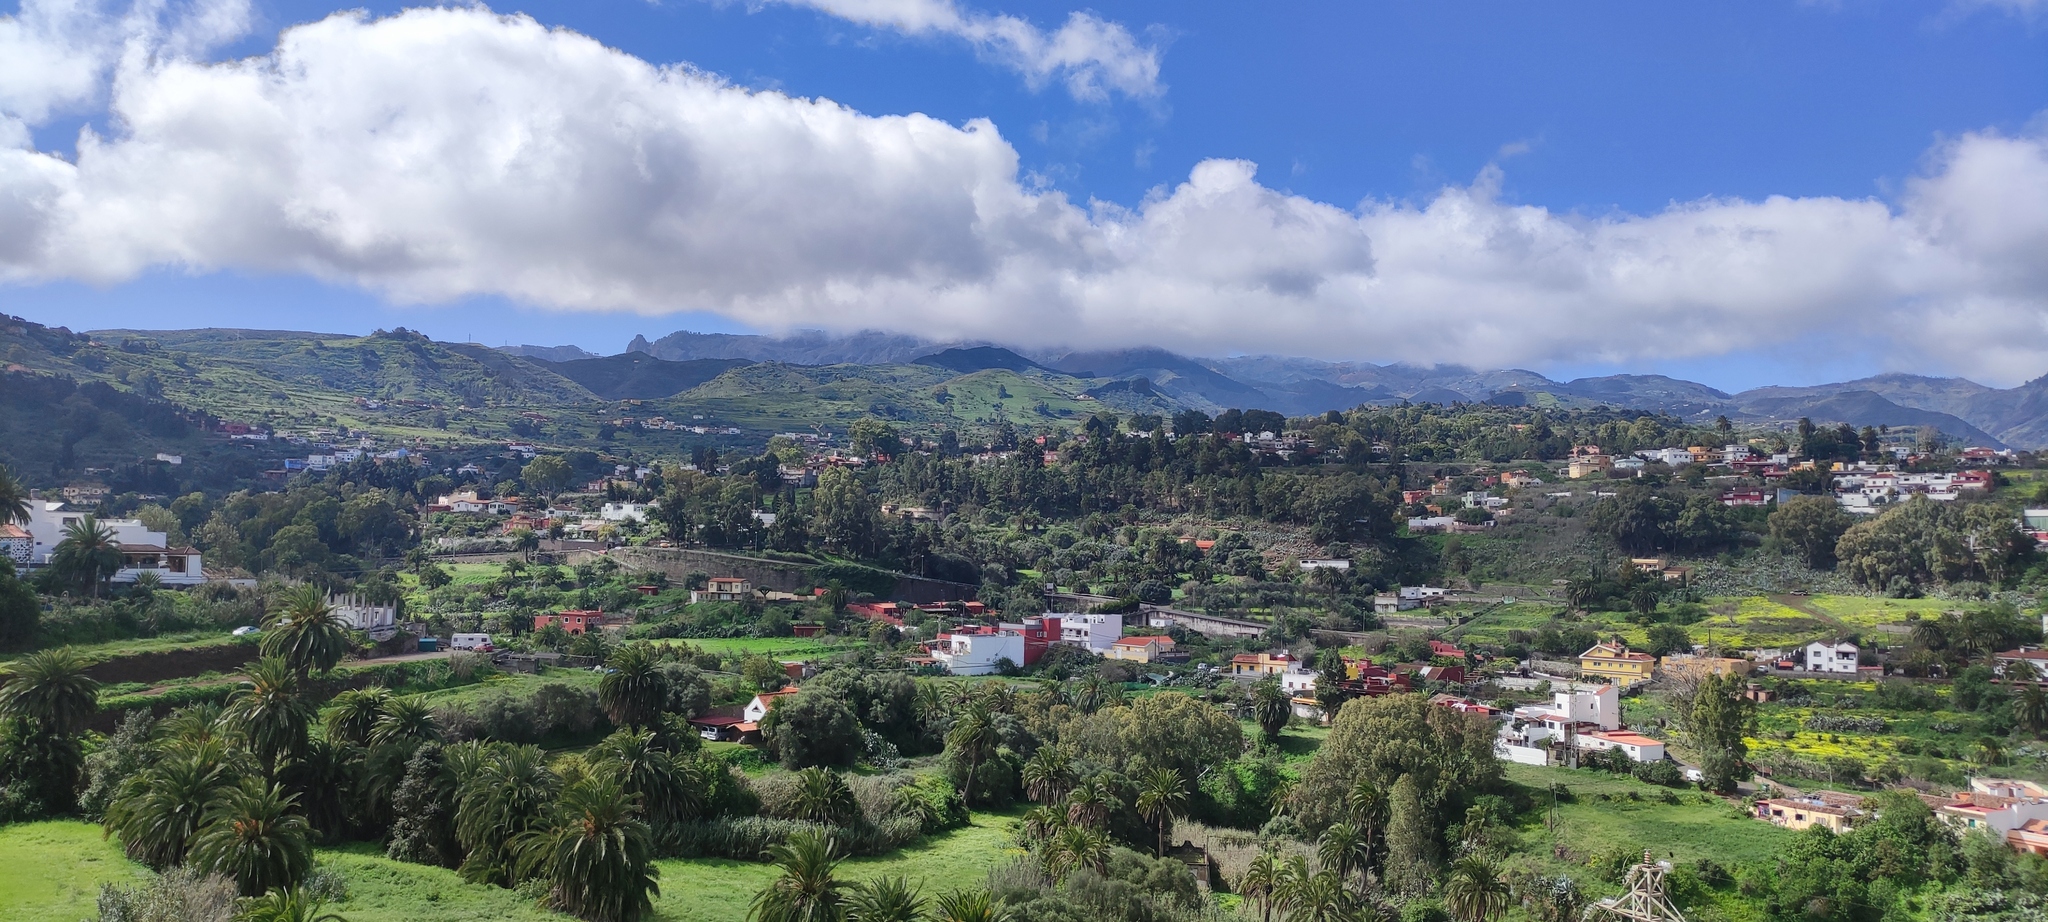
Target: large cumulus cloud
[[445, 153]]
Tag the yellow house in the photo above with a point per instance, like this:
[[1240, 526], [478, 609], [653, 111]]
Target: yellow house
[[1617, 664], [1838, 812], [1260, 664], [1140, 649]]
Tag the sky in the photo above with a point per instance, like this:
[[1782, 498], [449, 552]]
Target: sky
[[1740, 193]]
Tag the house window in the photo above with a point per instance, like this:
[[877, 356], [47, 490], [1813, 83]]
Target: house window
[[176, 564]]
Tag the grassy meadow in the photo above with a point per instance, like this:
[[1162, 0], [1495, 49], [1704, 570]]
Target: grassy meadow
[[55, 870]]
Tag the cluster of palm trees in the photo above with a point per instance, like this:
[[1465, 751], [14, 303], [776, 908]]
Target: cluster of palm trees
[[807, 888], [1069, 827], [243, 791], [1341, 881]]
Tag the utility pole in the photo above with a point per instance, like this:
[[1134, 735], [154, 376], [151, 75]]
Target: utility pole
[[1643, 900]]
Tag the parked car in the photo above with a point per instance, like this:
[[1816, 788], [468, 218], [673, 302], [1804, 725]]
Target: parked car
[[247, 629], [480, 643]]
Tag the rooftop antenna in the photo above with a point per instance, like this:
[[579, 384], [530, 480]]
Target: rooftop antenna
[[1643, 900]]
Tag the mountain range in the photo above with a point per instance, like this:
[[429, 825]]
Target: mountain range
[[1960, 408], [739, 388]]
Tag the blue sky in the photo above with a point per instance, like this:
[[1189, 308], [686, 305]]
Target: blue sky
[[1630, 117]]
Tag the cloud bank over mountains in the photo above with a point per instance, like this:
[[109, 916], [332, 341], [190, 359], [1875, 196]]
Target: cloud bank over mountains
[[445, 153]]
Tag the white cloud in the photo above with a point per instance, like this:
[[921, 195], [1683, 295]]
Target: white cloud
[[444, 153], [1092, 56], [55, 54]]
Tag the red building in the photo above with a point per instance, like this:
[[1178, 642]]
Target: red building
[[575, 622]]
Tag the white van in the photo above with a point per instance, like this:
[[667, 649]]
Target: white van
[[477, 642]]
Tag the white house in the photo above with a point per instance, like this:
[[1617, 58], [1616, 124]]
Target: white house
[[1575, 712], [173, 566], [379, 621], [1822, 656], [47, 521], [622, 512], [1326, 563], [1095, 633], [1298, 682], [977, 654], [1639, 747], [723, 589], [765, 702]]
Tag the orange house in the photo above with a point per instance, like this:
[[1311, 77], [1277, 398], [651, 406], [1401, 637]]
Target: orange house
[[575, 622]]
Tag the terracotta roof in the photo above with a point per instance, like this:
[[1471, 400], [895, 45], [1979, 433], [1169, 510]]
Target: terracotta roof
[[1632, 739], [1142, 641], [1614, 651], [11, 530]]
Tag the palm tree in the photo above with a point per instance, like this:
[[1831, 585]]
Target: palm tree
[[968, 906], [307, 633], [13, 499], [51, 692], [1260, 876], [405, 720], [598, 855], [161, 808], [1369, 810], [289, 905], [1271, 709], [501, 796], [2030, 708], [1474, 890], [89, 553], [1049, 775], [1290, 878], [1089, 803], [1343, 848], [884, 899], [352, 715], [973, 734], [271, 711], [253, 837], [633, 692], [1043, 822], [806, 891], [1320, 897], [822, 796], [1078, 846], [1162, 796], [669, 788]]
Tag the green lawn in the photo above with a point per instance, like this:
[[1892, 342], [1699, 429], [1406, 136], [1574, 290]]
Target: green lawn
[[101, 652], [1699, 826], [510, 683], [55, 869], [719, 891], [383, 890]]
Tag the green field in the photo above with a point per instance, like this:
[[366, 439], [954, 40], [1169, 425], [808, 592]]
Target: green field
[[55, 870], [189, 640], [719, 891]]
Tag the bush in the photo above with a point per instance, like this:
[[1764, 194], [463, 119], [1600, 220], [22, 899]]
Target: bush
[[1663, 771]]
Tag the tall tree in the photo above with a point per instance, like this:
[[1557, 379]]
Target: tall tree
[[270, 710], [1811, 526], [597, 854], [633, 692], [807, 889], [253, 837], [1411, 842], [87, 554], [306, 632], [499, 798], [51, 692], [1474, 891], [1162, 797], [1720, 719], [1271, 708], [13, 499]]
